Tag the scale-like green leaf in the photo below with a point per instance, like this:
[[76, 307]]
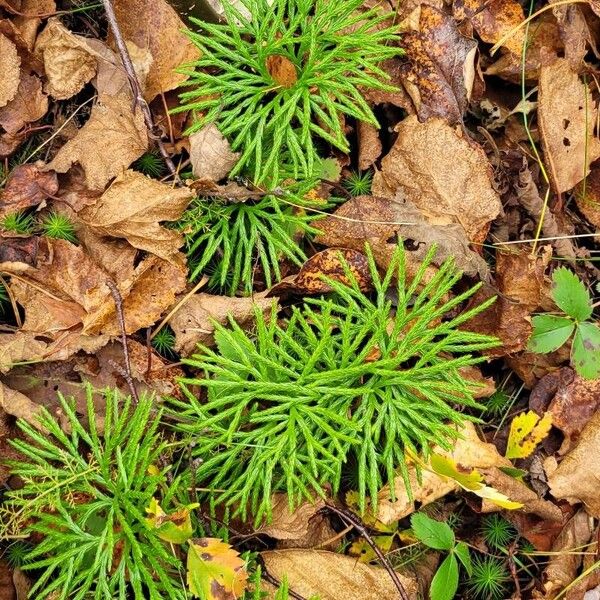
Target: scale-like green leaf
[[571, 295], [549, 333], [585, 354], [432, 533]]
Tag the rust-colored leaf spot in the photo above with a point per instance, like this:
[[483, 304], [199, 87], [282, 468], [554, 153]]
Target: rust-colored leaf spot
[[282, 70]]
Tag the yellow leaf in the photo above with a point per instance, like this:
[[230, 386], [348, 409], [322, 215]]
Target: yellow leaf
[[215, 570], [527, 430], [365, 553], [471, 481], [368, 518], [175, 528]]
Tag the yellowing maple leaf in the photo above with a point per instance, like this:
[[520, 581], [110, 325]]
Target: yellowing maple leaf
[[527, 430], [215, 570]]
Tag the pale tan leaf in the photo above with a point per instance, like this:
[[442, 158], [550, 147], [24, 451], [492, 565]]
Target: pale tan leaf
[[10, 70], [289, 525], [18, 405], [29, 104], [211, 154]]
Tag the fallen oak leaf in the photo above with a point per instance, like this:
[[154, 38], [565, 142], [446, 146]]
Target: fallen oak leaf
[[214, 570], [133, 207]]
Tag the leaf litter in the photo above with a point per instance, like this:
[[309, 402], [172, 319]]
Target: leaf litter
[[490, 155]]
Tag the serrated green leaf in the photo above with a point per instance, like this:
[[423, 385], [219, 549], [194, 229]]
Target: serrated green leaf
[[571, 295], [585, 353], [462, 551], [432, 533], [445, 582], [549, 333]]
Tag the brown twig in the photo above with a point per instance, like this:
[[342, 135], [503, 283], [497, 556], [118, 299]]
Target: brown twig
[[136, 89], [349, 518], [121, 319]]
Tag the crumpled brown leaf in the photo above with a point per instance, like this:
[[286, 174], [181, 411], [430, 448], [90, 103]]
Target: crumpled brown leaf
[[571, 399], [576, 478], [564, 561], [192, 323], [333, 576], [210, 153], [566, 116], [519, 287], [68, 63], [157, 27], [133, 207], [439, 67], [18, 405], [109, 142], [28, 105], [10, 68], [26, 186], [28, 25], [380, 221], [443, 173], [469, 452], [286, 525]]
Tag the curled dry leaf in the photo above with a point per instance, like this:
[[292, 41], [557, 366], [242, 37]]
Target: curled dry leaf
[[456, 186], [10, 68], [68, 63], [333, 576], [369, 145], [564, 562], [469, 453], [114, 136], [193, 321], [18, 254], [17, 347], [133, 207], [29, 105], [380, 221], [439, 68], [157, 27], [18, 405], [519, 286], [26, 186], [567, 115], [210, 153], [28, 25], [571, 399], [576, 478], [326, 263], [286, 525]]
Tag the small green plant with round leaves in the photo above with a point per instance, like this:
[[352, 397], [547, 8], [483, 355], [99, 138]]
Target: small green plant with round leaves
[[59, 227], [358, 184], [497, 532], [234, 240], [18, 222], [489, 578], [164, 341], [280, 74], [151, 164], [370, 376], [84, 496]]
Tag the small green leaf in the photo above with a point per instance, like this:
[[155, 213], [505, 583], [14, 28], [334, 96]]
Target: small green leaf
[[571, 295], [514, 472], [432, 533], [549, 333], [445, 582], [462, 551], [585, 354]]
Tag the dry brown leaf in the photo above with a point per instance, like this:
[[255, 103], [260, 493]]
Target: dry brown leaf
[[192, 323], [113, 137], [29, 104], [18, 405], [567, 116], [439, 68], [443, 173], [378, 221], [286, 525], [469, 452], [133, 207], [571, 399], [26, 186], [575, 33], [333, 576], [28, 26], [576, 478], [10, 68], [564, 562], [18, 254], [210, 153], [518, 291], [369, 145], [67, 61], [157, 27], [587, 196]]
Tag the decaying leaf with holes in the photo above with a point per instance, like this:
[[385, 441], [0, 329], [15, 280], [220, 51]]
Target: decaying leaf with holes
[[215, 570]]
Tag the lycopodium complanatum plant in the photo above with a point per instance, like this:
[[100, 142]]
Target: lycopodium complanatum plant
[[368, 376], [280, 73]]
